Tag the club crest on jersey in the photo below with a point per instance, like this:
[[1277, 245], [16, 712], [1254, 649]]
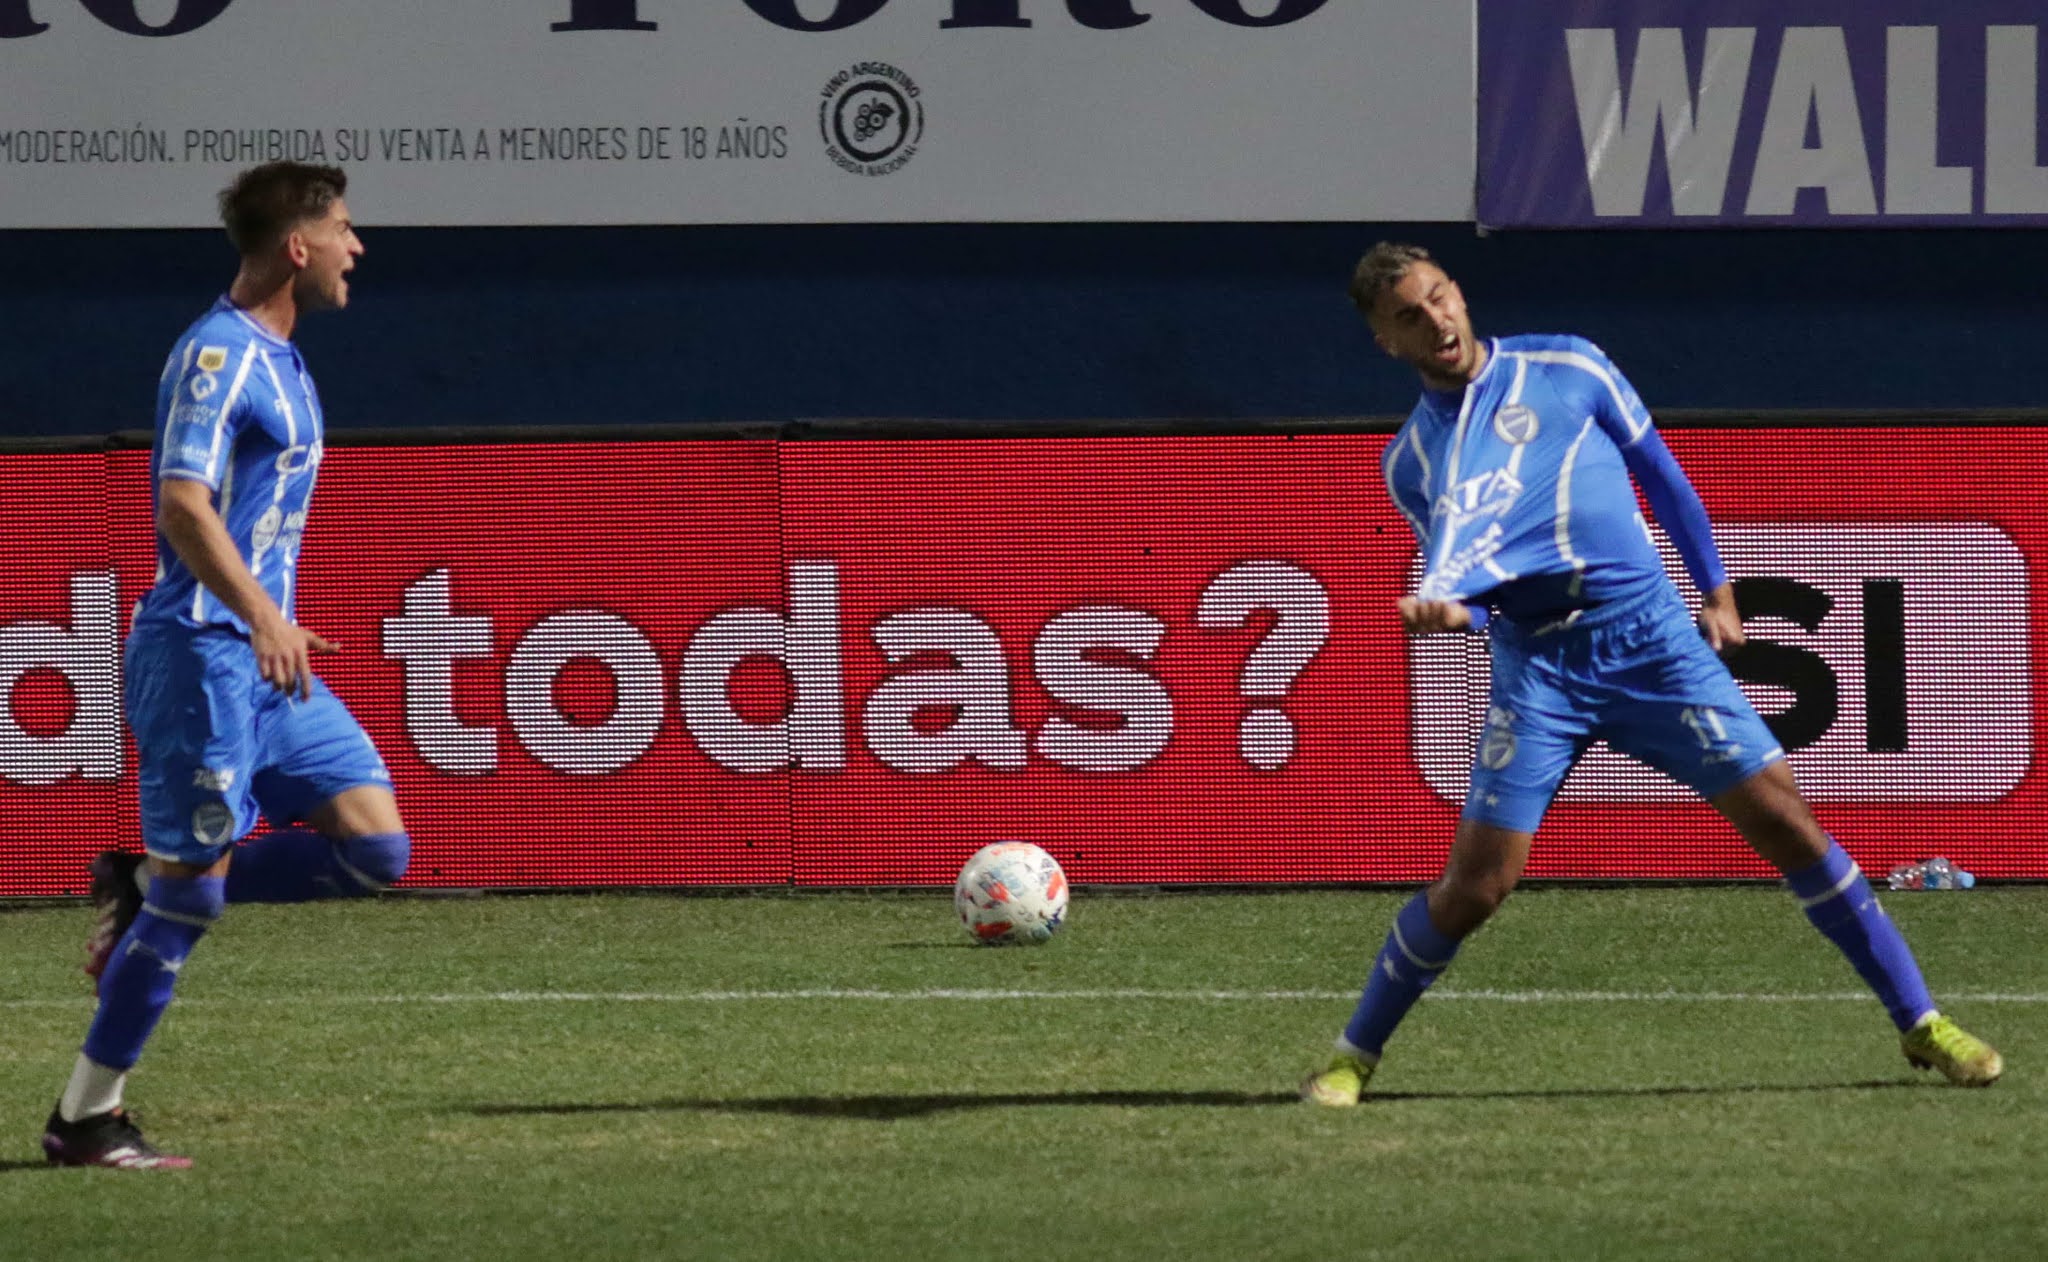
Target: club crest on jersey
[[1515, 423], [1497, 747], [264, 532], [212, 824], [213, 358]]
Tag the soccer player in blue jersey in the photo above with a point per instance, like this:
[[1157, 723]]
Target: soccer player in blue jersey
[[1515, 472], [219, 689]]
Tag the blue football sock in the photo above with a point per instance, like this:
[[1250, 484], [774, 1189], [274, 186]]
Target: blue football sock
[[297, 865], [1840, 903], [1414, 954], [136, 986]]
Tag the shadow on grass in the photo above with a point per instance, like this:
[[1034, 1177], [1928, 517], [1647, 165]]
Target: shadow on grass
[[1647, 1093], [23, 1167], [886, 1108]]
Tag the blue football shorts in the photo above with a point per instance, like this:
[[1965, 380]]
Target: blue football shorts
[[1636, 674], [217, 744]]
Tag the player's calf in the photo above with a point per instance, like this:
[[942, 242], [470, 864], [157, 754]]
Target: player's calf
[[88, 1126], [137, 983], [1839, 902], [116, 891], [298, 865], [1415, 953]]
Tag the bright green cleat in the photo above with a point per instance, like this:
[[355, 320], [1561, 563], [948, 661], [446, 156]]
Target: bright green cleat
[[1965, 1059], [1339, 1086]]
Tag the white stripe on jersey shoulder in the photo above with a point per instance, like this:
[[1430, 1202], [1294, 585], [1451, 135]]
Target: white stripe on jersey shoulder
[[174, 366], [1421, 457], [256, 326], [1587, 364]]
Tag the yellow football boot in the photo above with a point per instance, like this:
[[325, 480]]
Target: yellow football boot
[[1963, 1058], [1339, 1086]]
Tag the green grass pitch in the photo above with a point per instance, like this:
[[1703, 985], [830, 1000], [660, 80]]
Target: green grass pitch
[[1626, 1073]]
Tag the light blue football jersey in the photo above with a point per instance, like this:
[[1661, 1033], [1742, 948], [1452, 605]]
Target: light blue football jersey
[[1518, 487], [235, 410]]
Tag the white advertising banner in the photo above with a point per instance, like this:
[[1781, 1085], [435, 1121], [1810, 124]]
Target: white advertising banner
[[1883, 686], [133, 113]]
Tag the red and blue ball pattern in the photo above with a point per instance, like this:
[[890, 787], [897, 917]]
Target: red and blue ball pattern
[[1011, 892]]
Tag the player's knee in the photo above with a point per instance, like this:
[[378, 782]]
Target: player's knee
[[1785, 833], [375, 860], [176, 913], [1788, 845], [1462, 903], [192, 901]]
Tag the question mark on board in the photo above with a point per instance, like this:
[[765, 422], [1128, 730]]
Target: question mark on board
[[1265, 736]]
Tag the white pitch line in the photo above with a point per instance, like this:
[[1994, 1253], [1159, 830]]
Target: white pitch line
[[828, 994]]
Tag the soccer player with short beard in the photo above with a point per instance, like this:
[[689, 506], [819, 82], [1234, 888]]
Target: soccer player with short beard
[[1518, 471]]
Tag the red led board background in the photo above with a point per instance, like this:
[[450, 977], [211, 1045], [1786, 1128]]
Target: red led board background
[[1168, 660]]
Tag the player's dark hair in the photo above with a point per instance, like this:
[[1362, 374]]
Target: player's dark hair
[[1381, 269], [267, 202]]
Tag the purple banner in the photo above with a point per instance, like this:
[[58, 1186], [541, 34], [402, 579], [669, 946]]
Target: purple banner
[[1762, 113]]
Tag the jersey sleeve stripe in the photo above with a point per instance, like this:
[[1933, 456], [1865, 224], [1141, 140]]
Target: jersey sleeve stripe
[[1388, 464], [172, 364], [1421, 458], [1637, 424]]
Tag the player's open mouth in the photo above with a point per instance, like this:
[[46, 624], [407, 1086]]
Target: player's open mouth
[[1450, 350]]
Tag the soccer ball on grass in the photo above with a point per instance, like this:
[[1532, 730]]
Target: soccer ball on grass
[[1011, 891]]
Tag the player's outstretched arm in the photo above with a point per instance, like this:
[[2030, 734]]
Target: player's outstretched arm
[[1673, 501], [1427, 617], [187, 518]]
